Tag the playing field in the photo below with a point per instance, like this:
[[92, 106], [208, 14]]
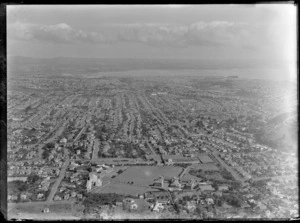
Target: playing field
[[145, 175], [114, 172], [121, 188]]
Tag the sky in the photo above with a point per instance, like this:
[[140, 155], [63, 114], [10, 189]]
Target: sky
[[156, 31]]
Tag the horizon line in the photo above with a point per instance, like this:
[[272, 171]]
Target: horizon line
[[147, 58]]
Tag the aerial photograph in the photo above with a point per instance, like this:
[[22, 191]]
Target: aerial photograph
[[118, 112]]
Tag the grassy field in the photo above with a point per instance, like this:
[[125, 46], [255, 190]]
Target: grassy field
[[109, 176], [57, 211], [42, 216], [145, 175], [208, 166], [188, 177], [120, 188], [136, 180], [56, 208], [207, 171]]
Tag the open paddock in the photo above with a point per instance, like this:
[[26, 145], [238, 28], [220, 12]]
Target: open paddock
[[36, 209]]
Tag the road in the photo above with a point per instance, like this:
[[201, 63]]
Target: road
[[95, 149], [79, 134], [228, 168], [184, 172], [58, 181], [156, 156]]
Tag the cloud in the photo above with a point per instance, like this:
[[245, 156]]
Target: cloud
[[216, 33], [154, 34], [173, 35], [59, 33]]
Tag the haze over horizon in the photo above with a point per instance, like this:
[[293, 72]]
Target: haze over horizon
[[173, 32]]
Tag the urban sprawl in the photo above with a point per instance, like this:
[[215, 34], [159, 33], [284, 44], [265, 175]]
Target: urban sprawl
[[164, 147]]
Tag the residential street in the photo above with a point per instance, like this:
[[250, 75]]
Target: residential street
[[58, 181]]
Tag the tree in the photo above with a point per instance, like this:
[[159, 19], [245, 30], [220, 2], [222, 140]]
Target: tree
[[177, 207], [17, 186], [236, 202], [219, 202], [260, 183], [120, 171], [233, 200], [200, 210], [33, 178], [45, 154], [28, 108], [50, 145]]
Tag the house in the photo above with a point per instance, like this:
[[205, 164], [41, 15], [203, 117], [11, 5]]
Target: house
[[119, 204], [191, 206], [63, 140], [175, 183], [210, 214], [223, 188], [261, 206], [245, 205], [294, 213], [161, 196], [66, 196], [190, 185], [57, 198], [157, 206], [40, 196], [13, 197], [133, 206], [73, 194], [169, 161], [159, 182], [188, 155], [46, 210], [93, 181], [252, 201], [206, 187], [218, 193], [128, 200], [62, 189], [23, 196], [209, 201]]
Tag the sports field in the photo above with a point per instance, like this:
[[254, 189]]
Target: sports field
[[121, 188], [136, 180], [145, 175]]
